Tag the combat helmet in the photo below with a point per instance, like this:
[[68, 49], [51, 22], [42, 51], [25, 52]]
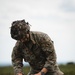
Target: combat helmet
[[19, 29]]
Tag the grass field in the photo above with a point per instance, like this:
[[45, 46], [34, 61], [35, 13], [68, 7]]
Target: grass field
[[67, 69]]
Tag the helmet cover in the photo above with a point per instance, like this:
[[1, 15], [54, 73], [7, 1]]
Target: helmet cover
[[19, 29]]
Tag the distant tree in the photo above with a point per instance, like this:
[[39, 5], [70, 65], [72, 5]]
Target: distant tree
[[70, 63]]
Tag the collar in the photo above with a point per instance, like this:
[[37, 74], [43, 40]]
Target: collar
[[31, 38]]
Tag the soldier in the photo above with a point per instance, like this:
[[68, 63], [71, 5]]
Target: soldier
[[34, 47]]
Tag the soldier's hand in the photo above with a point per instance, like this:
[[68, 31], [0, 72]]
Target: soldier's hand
[[19, 74], [38, 73]]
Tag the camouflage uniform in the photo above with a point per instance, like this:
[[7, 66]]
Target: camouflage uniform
[[39, 52]]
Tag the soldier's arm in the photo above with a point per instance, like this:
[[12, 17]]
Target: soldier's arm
[[17, 60], [48, 48]]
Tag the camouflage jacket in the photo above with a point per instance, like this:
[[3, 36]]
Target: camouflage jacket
[[39, 52]]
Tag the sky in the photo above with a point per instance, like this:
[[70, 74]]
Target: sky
[[54, 17]]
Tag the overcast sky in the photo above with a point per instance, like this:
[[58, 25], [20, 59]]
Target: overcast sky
[[54, 17]]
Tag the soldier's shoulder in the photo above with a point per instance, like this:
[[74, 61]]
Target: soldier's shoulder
[[17, 44], [38, 33]]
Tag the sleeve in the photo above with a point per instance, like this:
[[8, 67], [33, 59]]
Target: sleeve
[[48, 48], [17, 60]]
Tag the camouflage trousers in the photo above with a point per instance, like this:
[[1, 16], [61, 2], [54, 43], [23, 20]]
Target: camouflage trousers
[[58, 72]]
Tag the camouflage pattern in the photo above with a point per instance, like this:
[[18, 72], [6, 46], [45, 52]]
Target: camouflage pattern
[[39, 52]]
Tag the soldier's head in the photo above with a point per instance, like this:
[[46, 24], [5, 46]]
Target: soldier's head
[[19, 29]]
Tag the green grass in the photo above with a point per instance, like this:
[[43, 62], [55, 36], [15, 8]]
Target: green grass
[[67, 69], [6, 70]]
